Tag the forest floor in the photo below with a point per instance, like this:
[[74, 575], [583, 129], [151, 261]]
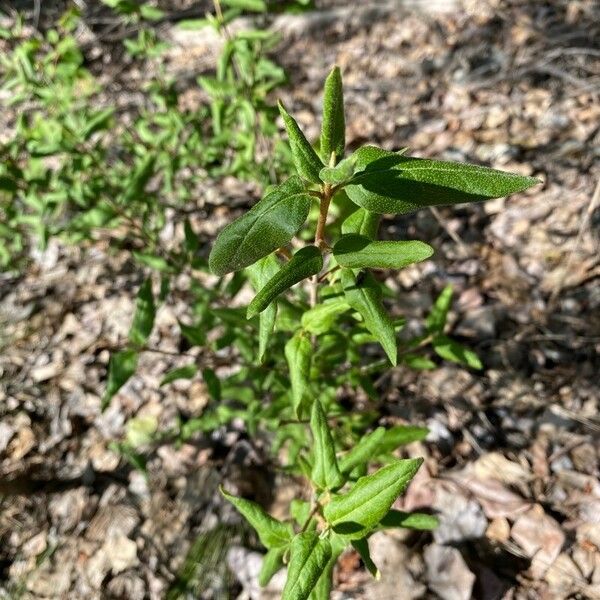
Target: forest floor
[[512, 460]]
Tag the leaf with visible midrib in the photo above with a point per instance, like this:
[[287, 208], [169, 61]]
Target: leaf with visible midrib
[[333, 134], [397, 184], [268, 225], [362, 222], [145, 311], [298, 353], [364, 451], [306, 262], [309, 556], [355, 513], [271, 532], [307, 162], [365, 298], [260, 273], [358, 252], [325, 471]]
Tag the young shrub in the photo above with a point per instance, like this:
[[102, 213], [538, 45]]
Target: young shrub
[[349, 500]]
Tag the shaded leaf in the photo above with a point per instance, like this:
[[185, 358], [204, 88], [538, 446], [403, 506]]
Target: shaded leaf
[[143, 319], [306, 262], [342, 172], [397, 518], [362, 222], [268, 225], [333, 128], [272, 562], [397, 184], [320, 319], [362, 547], [260, 273]]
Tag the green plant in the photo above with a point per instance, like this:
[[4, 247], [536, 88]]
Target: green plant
[[341, 310]]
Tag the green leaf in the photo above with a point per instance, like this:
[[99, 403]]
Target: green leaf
[[357, 252], [140, 430], [260, 273], [362, 547], [306, 262], [322, 591], [121, 367], [362, 222], [355, 513], [364, 296], [251, 5], [158, 263], [307, 162], [320, 319], [436, 320], [145, 311], [308, 558], [140, 178], [298, 353], [419, 363], [363, 452], [397, 184], [271, 532], [325, 472], [186, 372], [400, 436], [268, 225], [272, 562], [333, 129], [338, 174], [448, 349], [213, 384], [194, 334], [397, 518]]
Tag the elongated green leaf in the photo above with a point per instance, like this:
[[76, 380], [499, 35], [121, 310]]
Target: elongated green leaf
[[333, 129], [355, 513], [268, 225], [362, 547], [325, 472], [357, 252], [213, 384], [260, 273], [306, 262], [121, 367], [399, 184], [272, 562], [455, 352], [186, 372], [298, 352], [362, 222], [145, 311], [271, 532], [322, 591], [251, 5], [365, 298], [397, 518], [363, 452], [320, 319], [436, 320], [400, 436], [194, 334], [158, 263], [307, 162], [308, 558]]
